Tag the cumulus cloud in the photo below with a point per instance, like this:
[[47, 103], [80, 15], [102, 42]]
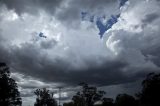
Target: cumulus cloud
[[62, 53], [130, 38], [67, 11], [72, 52]]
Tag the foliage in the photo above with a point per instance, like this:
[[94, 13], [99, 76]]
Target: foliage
[[68, 104], [107, 102], [44, 98], [125, 100], [87, 96], [150, 94], [9, 94]]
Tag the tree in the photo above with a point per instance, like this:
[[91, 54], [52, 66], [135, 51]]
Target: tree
[[9, 94], [107, 102], [125, 100], [150, 94], [44, 98], [87, 96], [69, 104]]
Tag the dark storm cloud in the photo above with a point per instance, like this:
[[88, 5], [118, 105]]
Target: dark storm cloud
[[67, 11], [73, 10], [31, 6], [152, 53], [76, 56], [29, 61], [109, 73], [4, 51], [150, 18], [48, 44]]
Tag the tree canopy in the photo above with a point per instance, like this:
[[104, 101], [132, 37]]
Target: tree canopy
[[150, 94], [125, 100], [9, 94], [44, 98], [87, 96]]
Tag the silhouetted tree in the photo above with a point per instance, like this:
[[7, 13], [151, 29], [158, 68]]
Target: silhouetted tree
[[69, 104], [107, 102], [150, 94], [9, 94], [125, 100], [87, 96], [44, 98]]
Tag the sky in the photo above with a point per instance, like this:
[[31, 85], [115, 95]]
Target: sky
[[112, 44]]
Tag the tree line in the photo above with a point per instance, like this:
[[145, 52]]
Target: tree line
[[86, 96]]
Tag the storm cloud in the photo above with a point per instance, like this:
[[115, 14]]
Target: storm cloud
[[72, 51], [31, 6]]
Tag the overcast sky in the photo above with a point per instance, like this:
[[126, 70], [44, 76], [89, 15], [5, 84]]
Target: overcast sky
[[51, 43]]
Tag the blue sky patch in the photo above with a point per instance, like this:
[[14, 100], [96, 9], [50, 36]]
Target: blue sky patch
[[103, 27]]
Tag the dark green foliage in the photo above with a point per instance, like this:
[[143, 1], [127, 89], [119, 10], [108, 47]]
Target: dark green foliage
[[9, 94], [44, 98], [150, 94]]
